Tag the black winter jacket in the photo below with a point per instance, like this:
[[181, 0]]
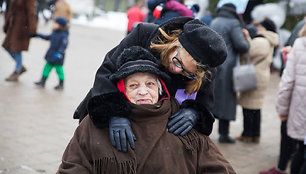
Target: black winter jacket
[[104, 100]]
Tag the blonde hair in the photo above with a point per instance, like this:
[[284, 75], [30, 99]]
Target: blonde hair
[[167, 44], [302, 32]]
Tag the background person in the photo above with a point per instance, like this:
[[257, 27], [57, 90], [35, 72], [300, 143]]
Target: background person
[[19, 25], [135, 15], [55, 55], [62, 8], [189, 51], [228, 24], [261, 51], [291, 101], [161, 11], [156, 149]]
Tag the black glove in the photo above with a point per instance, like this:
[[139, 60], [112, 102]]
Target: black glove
[[32, 35], [182, 121], [119, 130]]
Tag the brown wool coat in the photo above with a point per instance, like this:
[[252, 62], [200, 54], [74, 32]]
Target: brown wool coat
[[156, 150], [62, 8], [261, 48], [20, 22]]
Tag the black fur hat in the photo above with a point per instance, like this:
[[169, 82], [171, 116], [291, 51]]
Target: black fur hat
[[203, 44], [269, 25], [137, 59]]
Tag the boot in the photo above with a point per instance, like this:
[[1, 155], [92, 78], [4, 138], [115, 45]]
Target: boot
[[226, 139], [245, 139], [23, 69], [60, 86], [256, 139], [42, 82], [13, 77]]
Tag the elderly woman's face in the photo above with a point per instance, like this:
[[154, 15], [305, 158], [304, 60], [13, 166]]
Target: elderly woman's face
[[141, 88], [181, 62]]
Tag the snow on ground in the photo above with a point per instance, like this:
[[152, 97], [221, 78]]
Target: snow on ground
[[110, 20]]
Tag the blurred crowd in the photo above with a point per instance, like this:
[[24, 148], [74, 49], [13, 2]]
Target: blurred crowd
[[255, 40], [258, 40]]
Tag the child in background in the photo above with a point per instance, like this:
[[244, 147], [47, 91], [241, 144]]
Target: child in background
[[56, 53]]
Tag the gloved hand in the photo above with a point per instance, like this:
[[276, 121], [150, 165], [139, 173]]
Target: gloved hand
[[158, 10], [32, 35], [57, 55], [182, 121], [119, 130]]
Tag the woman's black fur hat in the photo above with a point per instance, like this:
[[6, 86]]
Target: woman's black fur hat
[[203, 44], [137, 59]]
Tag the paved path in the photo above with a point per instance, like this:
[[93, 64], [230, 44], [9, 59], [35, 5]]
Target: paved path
[[36, 124]]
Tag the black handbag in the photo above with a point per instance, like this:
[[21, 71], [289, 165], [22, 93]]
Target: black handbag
[[244, 76]]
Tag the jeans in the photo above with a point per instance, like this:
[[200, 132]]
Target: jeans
[[18, 59]]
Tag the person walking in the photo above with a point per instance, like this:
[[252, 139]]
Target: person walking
[[262, 45], [227, 23], [189, 51], [62, 8], [19, 25], [291, 100], [55, 55]]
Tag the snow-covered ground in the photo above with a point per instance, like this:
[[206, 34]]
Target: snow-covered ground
[[110, 20]]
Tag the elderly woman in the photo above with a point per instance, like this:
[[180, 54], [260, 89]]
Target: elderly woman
[[189, 52], [158, 151]]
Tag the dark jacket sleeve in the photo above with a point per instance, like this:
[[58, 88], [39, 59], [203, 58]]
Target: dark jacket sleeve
[[240, 44], [43, 36], [102, 85], [203, 104]]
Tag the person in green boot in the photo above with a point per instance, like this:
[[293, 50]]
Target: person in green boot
[[56, 53]]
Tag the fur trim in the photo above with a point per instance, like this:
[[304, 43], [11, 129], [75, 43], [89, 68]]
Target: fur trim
[[135, 53], [102, 108], [206, 119], [191, 141]]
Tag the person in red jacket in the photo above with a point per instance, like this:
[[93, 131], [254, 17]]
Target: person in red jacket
[[135, 15]]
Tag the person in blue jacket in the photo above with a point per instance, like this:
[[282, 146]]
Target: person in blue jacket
[[56, 53]]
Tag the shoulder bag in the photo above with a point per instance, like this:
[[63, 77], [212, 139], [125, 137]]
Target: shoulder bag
[[244, 76]]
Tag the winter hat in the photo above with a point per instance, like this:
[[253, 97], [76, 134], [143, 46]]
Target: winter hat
[[203, 44], [61, 20], [137, 59], [269, 25], [230, 5]]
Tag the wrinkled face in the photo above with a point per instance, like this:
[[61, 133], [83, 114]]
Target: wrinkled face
[[141, 88], [181, 62]]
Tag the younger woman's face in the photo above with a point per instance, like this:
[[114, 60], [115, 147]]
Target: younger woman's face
[[142, 88], [181, 62]]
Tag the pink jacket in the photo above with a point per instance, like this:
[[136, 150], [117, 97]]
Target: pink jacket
[[179, 7], [291, 99]]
